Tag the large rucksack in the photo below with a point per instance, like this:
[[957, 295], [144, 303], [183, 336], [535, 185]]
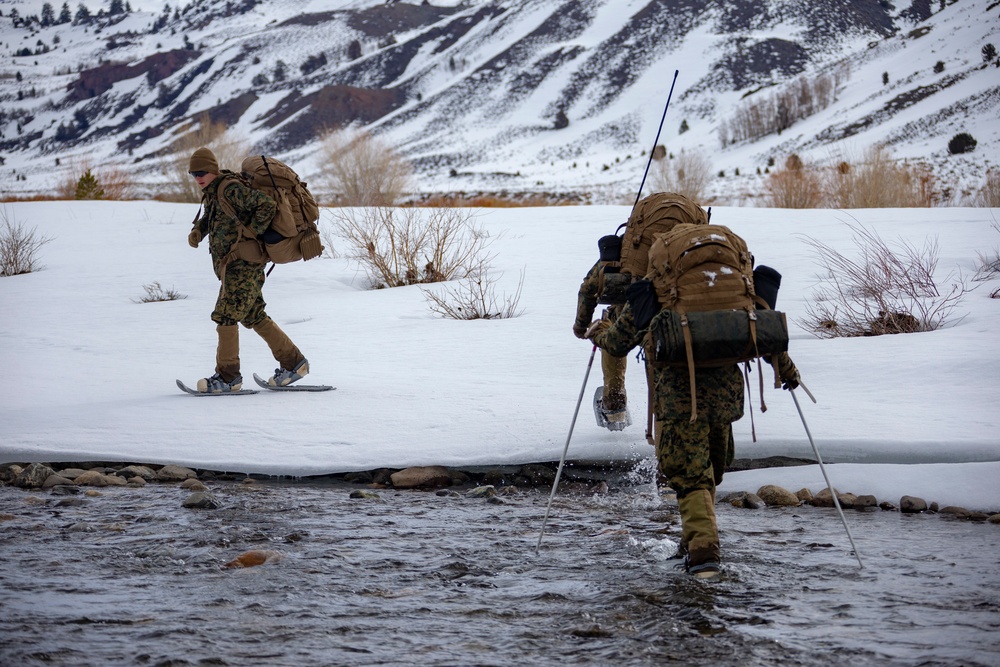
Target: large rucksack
[[624, 258], [710, 315], [293, 233]]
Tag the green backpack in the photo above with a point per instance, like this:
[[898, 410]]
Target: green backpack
[[293, 233], [624, 258]]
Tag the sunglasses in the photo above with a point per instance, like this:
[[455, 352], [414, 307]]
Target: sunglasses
[[198, 174]]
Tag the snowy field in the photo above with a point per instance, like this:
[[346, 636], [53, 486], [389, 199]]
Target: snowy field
[[91, 370]]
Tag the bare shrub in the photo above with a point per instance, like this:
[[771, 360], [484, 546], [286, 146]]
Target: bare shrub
[[408, 246], [989, 193], [475, 298], [795, 186], [879, 181], [989, 265], [358, 169], [230, 148], [883, 290], [155, 292], [19, 246], [687, 174]]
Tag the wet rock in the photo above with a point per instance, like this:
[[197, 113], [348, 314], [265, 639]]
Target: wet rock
[[496, 500], [362, 477], [486, 491], [777, 496], [957, 512], [71, 502], [825, 499], [448, 493], [64, 490], [145, 472], [537, 475], [33, 476], [136, 482], [744, 500], [254, 558], [72, 473], [381, 476], [805, 495], [865, 502], [458, 477], [201, 500], [364, 494], [172, 473], [912, 505], [933, 507], [56, 480], [9, 471], [92, 493], [91, 478], [978, 516], [995, 518], [886, 506], [591, 632], [192, 484], [421, 477]]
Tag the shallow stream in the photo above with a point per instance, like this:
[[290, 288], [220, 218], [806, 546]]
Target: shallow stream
[[130, 577]]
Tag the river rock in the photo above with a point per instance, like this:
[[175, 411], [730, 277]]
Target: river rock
[[201, 500], [805, 495], [537, 475], [145, 472], [912, 505], [136, 482], [778, 496], [33, 476], [886, 506], [64, 490], [72, 473], [91, 478], [825, 499], [55, 480], [865, 502], [192, 484], [172, 473], [994, 518], [957, 512], [487, 491], [421, 477], [253, 558], [362, 477], [744, 500], [364, 494]]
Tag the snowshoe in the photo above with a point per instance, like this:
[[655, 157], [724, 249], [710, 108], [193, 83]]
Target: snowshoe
[[613, 421]]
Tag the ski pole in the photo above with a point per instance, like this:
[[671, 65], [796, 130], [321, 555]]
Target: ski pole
[[562, 461], [819, 459], [657, 140]]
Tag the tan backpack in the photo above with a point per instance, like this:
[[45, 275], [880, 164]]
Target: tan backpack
[[625, 259], [293, 233], [710, 316]]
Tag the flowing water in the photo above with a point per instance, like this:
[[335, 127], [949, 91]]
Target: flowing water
[[130, 577]]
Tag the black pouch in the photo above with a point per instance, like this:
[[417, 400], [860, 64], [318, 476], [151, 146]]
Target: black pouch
[[642, 297]]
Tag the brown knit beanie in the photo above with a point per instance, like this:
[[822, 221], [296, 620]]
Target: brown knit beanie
[[204, 160]]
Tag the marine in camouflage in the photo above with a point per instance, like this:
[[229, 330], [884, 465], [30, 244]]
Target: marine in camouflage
[[254, 208], [613, 367]]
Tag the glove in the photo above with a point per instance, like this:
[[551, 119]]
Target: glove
[[194, 238], [788, 374], [580, 330], [597, 328]]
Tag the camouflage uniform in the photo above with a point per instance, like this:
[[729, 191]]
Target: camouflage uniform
[[614, 398], [240, 299], [691, 455]]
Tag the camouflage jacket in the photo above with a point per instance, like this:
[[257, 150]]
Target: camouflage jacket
[[719, 390], [253, 209], [586, 301]]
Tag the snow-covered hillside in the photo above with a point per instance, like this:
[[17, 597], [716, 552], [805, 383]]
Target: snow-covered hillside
[[552, 96]]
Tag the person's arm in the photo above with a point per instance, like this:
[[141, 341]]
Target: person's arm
[[586, 301], [253, 208], [619, 336]]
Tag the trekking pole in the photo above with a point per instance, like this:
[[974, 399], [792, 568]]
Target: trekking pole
[[819, 459], [562, 461], [657, 140]]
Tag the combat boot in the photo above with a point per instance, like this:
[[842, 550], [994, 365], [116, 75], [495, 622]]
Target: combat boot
[[293, 364], [227, 363], [700, 533]]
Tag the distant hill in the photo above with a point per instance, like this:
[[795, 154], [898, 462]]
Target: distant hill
[[515, 96]]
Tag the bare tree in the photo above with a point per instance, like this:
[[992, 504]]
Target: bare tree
[[687, 174], [475, 298], [361, 170], [883, 290]]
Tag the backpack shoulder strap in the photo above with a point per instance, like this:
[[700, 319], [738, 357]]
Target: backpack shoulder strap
[[225, 204]]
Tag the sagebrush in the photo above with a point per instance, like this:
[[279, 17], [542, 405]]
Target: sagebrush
[[475, 298], [19, 246]]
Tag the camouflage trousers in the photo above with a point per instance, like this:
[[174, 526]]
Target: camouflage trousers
[[614, 398], [240, 298], [694, 455]]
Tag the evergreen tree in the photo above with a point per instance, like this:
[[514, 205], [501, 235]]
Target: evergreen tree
[[82, 14], [88, 187], [989, 53], [65, 16], [48, 15], [117, 7]]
